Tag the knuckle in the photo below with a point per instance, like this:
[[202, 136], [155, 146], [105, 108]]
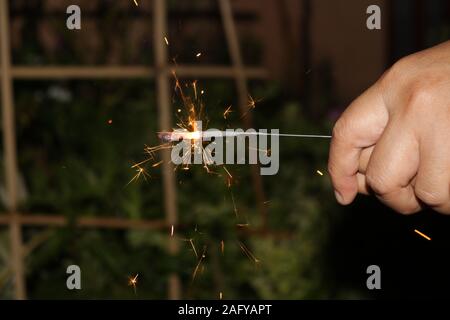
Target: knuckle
[[378, 183], [340, 128], [432, 198], [403, 63], [420, 96], [396, 70]]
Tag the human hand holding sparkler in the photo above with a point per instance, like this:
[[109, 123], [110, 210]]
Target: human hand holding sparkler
[[394, 140]]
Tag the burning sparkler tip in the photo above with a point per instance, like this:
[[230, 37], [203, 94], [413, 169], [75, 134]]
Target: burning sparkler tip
[[165, 136]]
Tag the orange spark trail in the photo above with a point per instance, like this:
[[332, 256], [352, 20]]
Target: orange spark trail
[[228, 172], [234, 205], [247, 252], [132, 281], [194, 274], [227, 112], [157, 164], [193, 248], [422, 234], [140, 172]]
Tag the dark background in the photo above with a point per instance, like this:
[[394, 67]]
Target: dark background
[[73, 162]]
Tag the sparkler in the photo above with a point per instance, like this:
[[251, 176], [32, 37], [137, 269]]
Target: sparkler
[[188, 128], [176, 136]]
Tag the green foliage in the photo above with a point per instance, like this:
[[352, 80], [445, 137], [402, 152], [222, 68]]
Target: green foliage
[[77, 164]]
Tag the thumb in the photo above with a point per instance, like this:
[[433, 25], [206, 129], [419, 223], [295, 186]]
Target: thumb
[[360, 126]]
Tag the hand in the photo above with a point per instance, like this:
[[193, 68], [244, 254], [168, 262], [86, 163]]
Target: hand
[[394, 140]]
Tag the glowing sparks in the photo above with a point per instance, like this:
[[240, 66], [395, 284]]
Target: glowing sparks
[[191, 243], [166, 41], [227, 112], [422, 234], [190, 112], [193, 247], [229, 182], [200, 261], [320, 173], [110, 121], [194, 86], [157, 164], [132, 281], [228, 172], [251, 104], [248, 253], [140, 173], [135, 2], [234, 205], [242, 225], [220, 295]]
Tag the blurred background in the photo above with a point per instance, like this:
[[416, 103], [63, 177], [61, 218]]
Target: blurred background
[[78, 107]]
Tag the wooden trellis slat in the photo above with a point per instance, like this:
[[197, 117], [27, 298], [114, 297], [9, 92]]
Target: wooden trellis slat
[[37, 219], [128, 72], [243, 97], [10, 153]]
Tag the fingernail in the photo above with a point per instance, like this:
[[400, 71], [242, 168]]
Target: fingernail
[[338, 196]]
